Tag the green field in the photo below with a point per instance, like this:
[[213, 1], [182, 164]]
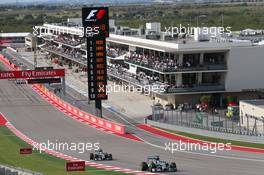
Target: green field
[[236, 16], [215, 140], [43, 163]]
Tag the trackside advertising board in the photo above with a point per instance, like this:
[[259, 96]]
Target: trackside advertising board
[[75, 166], [25, 151], [32, 74]]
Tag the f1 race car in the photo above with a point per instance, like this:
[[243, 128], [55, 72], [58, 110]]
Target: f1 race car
[[100, 155], [154, 164]]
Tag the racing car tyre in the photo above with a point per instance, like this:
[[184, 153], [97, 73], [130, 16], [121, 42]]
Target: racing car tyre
[[91, 156], [96, 157], [110, 157], [152, 167], [144, 166], [173, 167]]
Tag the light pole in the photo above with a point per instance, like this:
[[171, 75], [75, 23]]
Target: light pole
[[253, 116], [222, 20], [263, 124], [241, 116], [34, 44], [247, 125]]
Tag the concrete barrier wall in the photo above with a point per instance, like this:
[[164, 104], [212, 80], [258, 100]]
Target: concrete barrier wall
[[112, 126], [7, 63], [8, 170], [227, 136]]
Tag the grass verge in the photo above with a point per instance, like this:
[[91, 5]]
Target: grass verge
[[43, 163]]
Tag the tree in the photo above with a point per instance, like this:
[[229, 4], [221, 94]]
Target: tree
[[28, 17], [205, 99], [230, 99]]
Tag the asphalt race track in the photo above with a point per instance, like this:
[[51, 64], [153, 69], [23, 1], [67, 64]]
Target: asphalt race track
[[40, 121]]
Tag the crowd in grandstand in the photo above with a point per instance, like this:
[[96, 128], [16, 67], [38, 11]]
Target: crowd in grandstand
[[168, 64], [120, 70], [159, 63], [140, 77], [115, 52], [70, 40], [213, 60], [69, 52], [154, 62], [143, 79]]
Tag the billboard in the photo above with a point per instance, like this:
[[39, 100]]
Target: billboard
[[32, 74], [25, 150], [75, 166], [44, 80]]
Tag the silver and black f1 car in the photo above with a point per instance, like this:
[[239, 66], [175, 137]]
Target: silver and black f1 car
[[154, 164], [100, 155]]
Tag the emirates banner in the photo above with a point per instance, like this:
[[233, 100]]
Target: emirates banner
[[24, 74]]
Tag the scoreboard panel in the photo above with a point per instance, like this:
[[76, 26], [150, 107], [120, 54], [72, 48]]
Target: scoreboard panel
[[96, 29]]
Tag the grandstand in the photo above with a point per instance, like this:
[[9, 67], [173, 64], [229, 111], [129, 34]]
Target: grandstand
[[185, 67]]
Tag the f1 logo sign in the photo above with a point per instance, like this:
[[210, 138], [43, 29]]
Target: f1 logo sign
[[95, 15], [91, 14], [95, 21]]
